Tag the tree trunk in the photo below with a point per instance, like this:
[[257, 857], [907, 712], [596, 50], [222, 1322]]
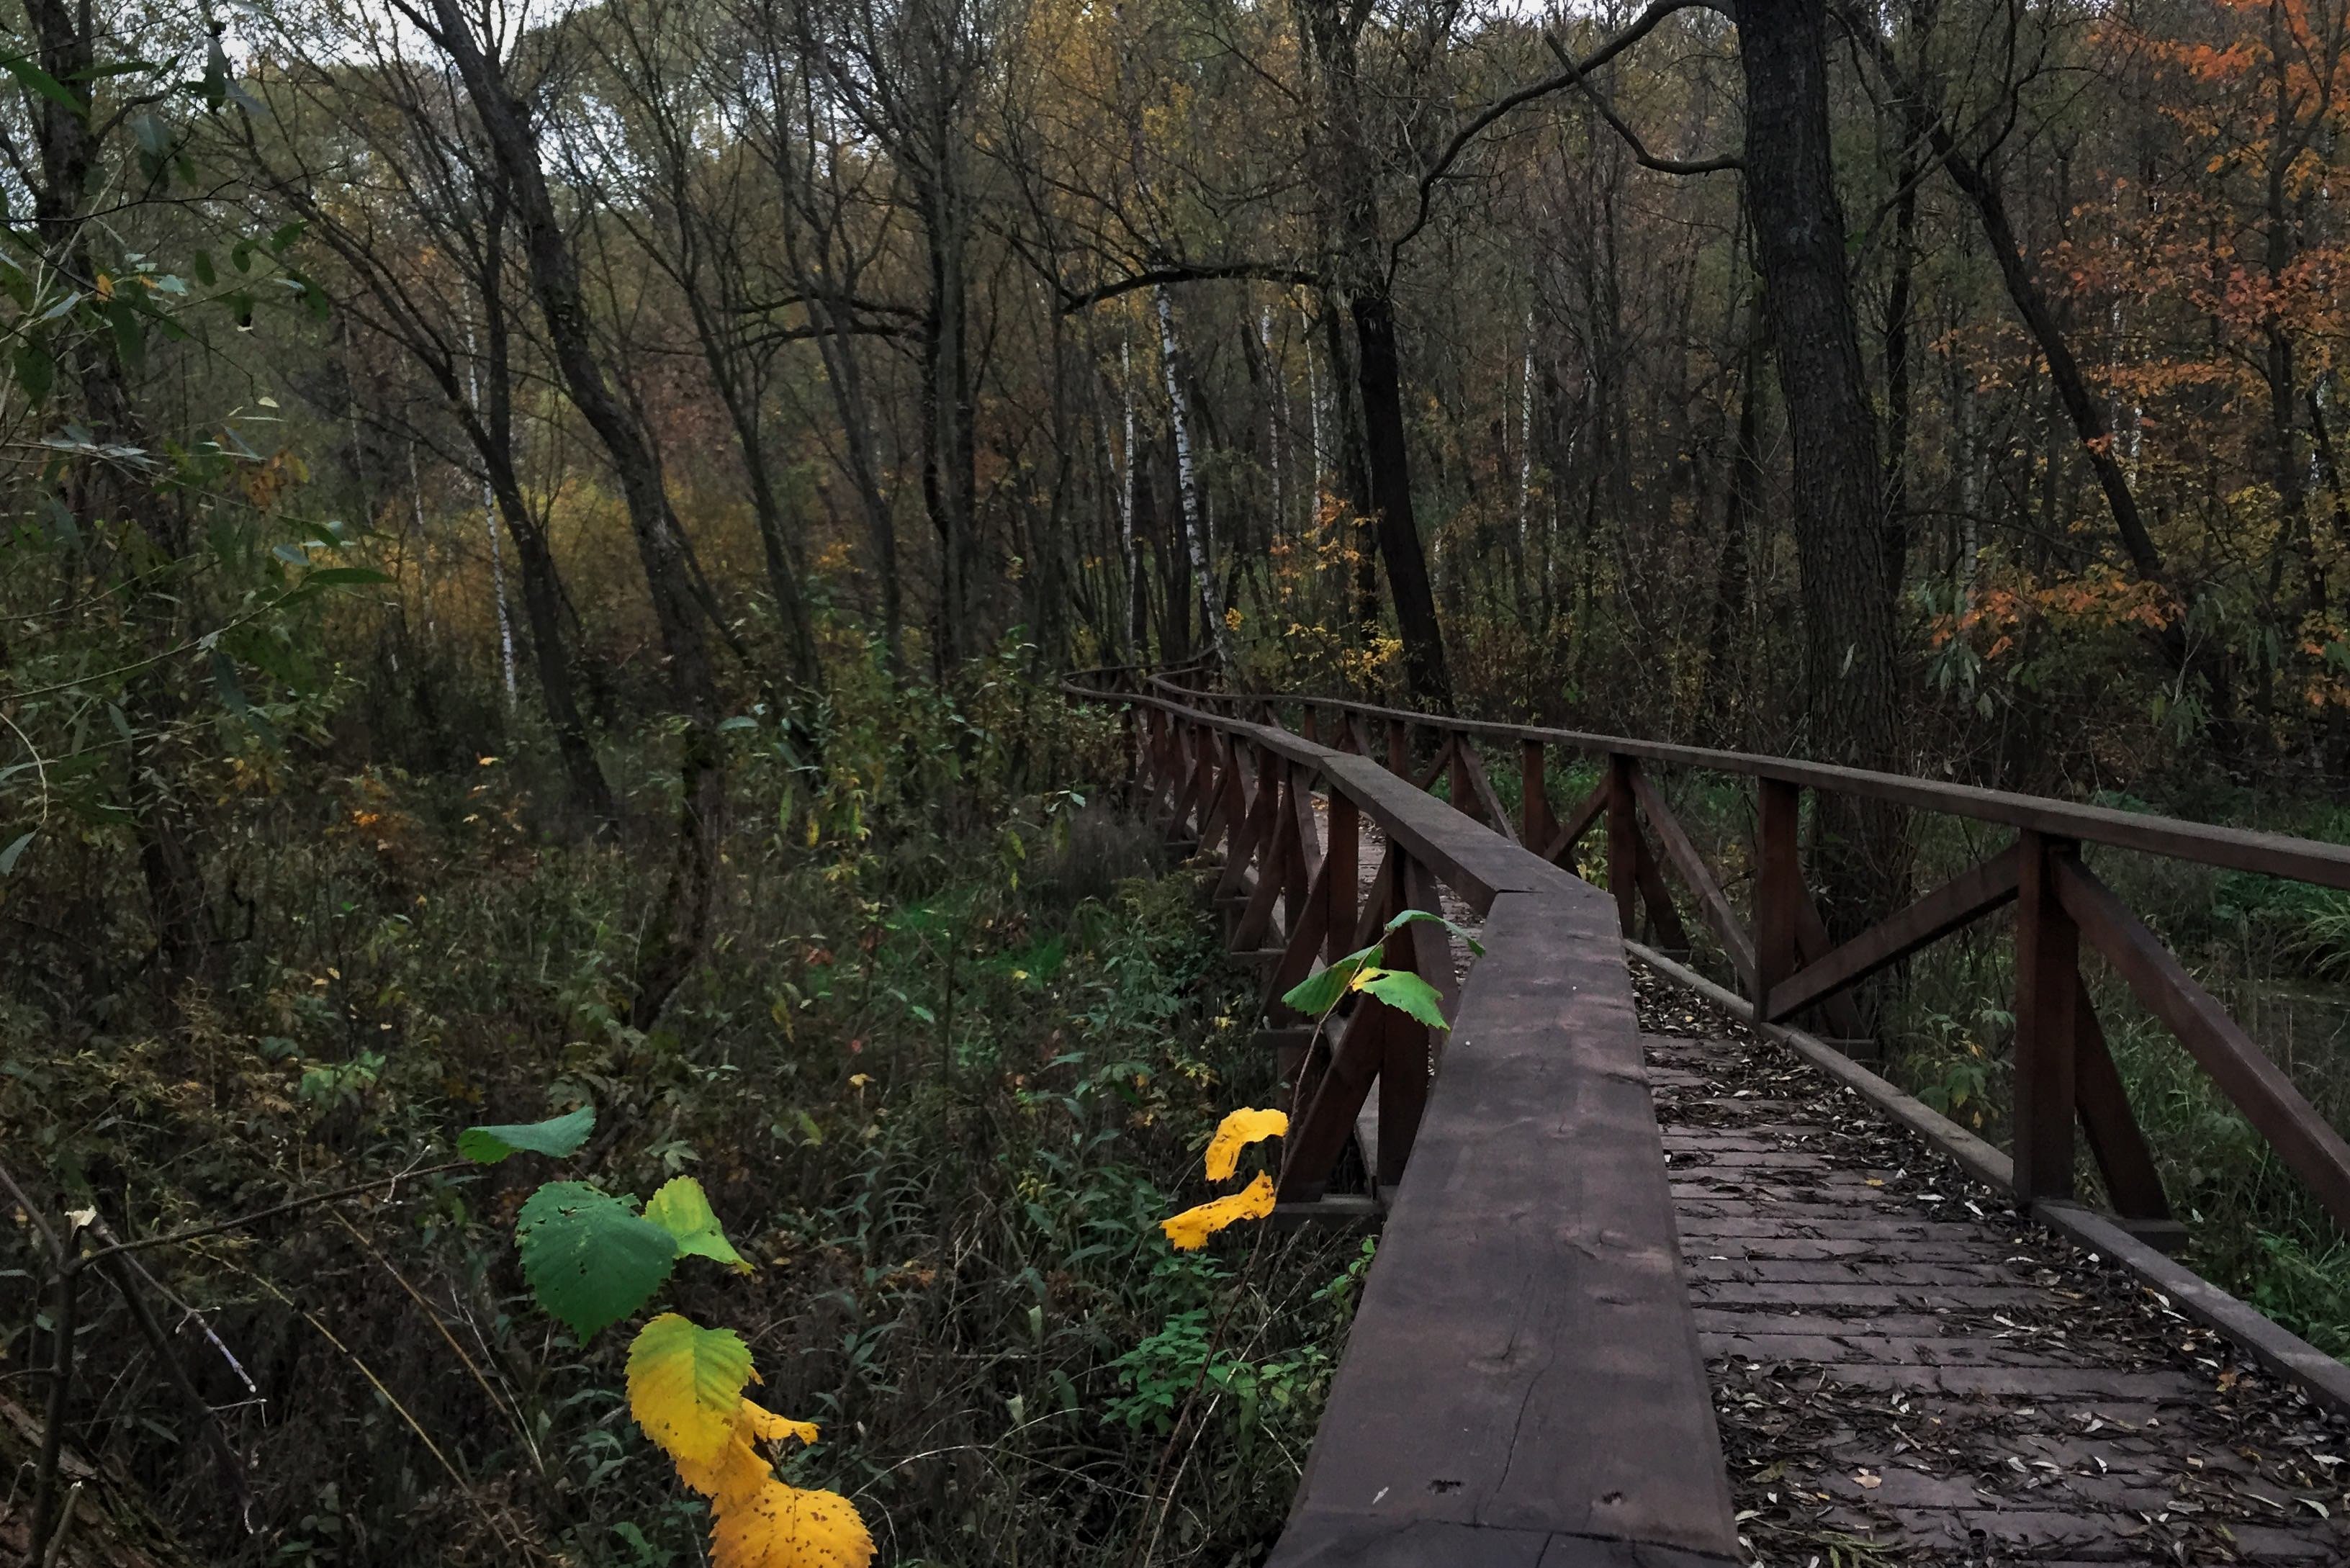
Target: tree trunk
[[1186, 485], [679, 926], [1851, 669]]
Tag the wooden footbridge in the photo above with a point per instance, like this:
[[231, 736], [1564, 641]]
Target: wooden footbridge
[[1665, 1280]]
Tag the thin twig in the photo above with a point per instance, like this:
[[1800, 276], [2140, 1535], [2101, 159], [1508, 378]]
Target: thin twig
[[197, 1232]]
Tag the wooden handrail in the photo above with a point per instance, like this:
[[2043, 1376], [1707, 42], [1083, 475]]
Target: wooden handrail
[[2229, 848], [2065, 1082], [1523, 1379]]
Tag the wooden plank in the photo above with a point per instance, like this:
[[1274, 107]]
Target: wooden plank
[[1474, 862], [1696, 876], [1969, 896], [2258, 1087], [2115, 1137], [1524, 1357], [2325, 1379]]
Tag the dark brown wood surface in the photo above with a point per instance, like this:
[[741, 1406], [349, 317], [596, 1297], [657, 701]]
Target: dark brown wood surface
[[2240, 849], [1971, 894], [1907, 1370], [1523, 1370]]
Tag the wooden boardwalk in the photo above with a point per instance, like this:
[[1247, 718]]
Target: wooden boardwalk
[[1905, 1371], [1657, 1290]]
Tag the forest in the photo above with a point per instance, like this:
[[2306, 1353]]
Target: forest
[[541, 552]]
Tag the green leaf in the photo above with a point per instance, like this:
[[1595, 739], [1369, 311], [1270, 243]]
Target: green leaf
[[682, 1208], [1413, 916], [36, 372], [33, 78], [556, 1136], [206, 274], [591, 1259], [1318, 992], [1407, 992], [14, 852]]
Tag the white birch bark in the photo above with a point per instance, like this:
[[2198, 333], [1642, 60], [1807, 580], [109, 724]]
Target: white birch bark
[[1187, 478], [497, 552]]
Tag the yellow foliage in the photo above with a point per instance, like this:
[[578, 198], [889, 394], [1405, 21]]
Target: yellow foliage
[[784, 1527], [685, 1383], [1190, 1230], [1239, 1130]]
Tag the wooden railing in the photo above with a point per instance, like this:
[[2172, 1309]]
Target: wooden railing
[[1522, 1381], [1786, 964], [1524, 1376]]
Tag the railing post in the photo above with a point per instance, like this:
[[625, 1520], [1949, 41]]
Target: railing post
[[1778, 887], [1399, 748], [1536, 826], [1623, 845], [1457, 782], [1307, 724], [1342, 858], [2047, 1022]]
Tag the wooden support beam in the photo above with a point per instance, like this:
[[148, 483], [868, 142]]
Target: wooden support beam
[[1255, 823], [1969, 896], [1578, 823], [1342, 860], [2243, 1072], [1813, 943], [1307, 935], [1436, 764], [1778, 886], [1399, 748], [1274, 866], [1696, 876], [1481, 787], [1536, 826], [1408, 1054], [1319, 1134], [2047, 1027], [2115, 1138], [1623, 845]]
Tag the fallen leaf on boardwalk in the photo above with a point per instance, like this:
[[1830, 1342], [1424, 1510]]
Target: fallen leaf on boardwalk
[[1869, 1481]]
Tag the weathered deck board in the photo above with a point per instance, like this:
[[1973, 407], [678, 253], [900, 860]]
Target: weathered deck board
[[1899, 1359], [1527, 1294]]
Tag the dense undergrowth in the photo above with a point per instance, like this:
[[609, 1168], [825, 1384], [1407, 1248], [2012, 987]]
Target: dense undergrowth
[[951, 1054]]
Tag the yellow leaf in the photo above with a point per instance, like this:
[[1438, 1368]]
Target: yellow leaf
[[784, 1527], [1190, 1230], [768, 1426], [1239, 1130], [736, 1475], [738, 1472], [685, 1386]]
